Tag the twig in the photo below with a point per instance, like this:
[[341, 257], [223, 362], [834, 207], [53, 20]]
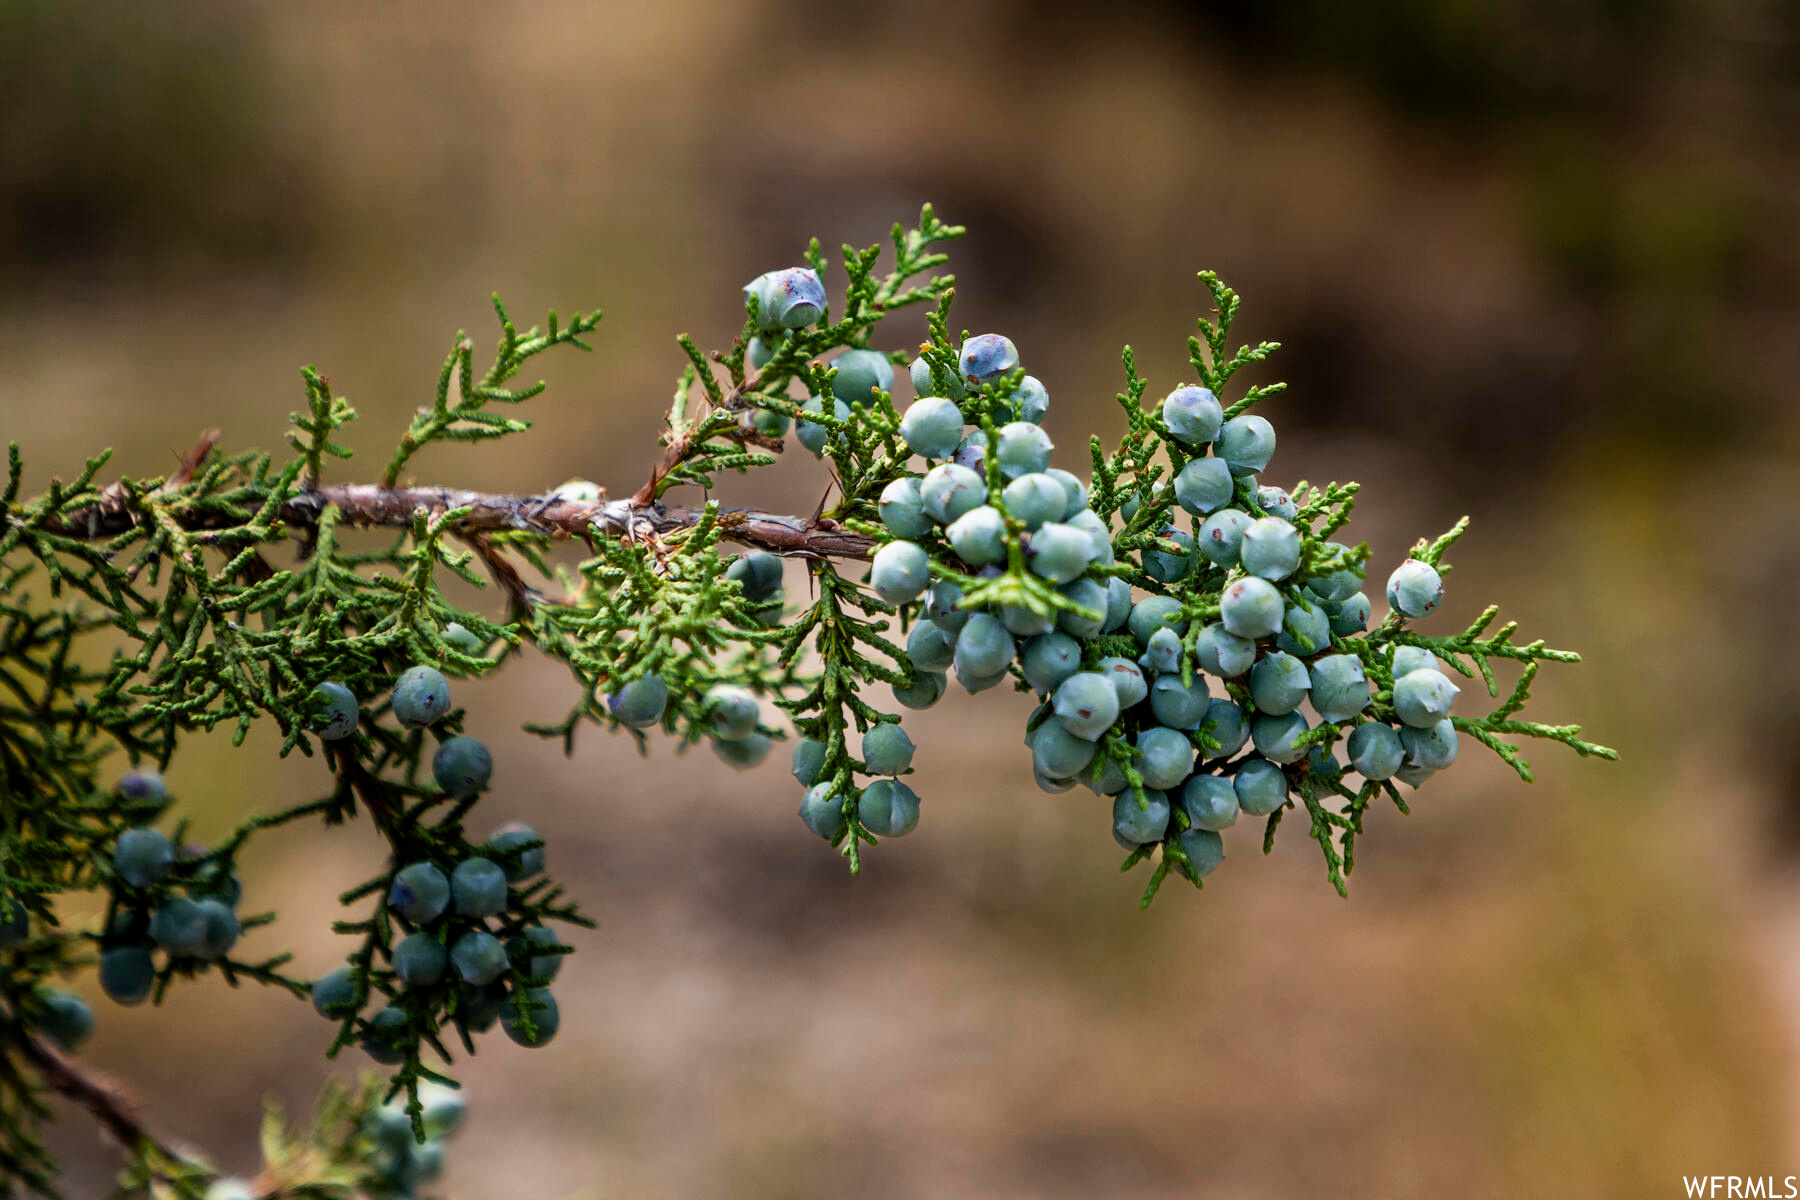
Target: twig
[[373, 505], [98, 1095]]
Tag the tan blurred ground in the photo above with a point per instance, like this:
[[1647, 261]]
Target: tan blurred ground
[[1538, 266]]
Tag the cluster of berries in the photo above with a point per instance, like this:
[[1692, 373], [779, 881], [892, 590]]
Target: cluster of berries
[[1141, 726], [453, 957], [181, 902], [450, 952]]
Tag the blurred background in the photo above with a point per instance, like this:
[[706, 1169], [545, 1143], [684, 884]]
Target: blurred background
[[1536, 262]]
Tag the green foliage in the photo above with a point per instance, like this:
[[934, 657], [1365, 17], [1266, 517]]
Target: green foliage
[[138, 613]]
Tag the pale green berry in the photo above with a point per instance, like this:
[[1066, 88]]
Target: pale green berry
[[1153, 613], [788, 299], [932, 427], [972, 682], [1340, 687], [1053, 786], [1032, 400], [1274, 736], [1305, 627], [1049, 659], [979, 536], [1375, 751], [1178, 705], [902, 509], [421, 697], [1226, 724], [1210, 802], [1126, 679], [1165, 567], [536, 1006], [1074, 490], [971, 452], [887, 750], [520, 851], [1278, 683], [1423, 697], [1415, 588], [1408, 659], [745, 752], [1247, 443], [930, 646], [1192, 415], [888, 808], [732, 711], [950, 490], [815, 434], [462, 766], [1341, 581], [941, 606], [1023, 621], [1222, 653], [1167, 757], [1270, 548], [1035, 499], [332, 711], [64, 1018], [1086, 704], [460, 637], [1059, 552], [860, 373], [1413, 774], [926, 690], [758, 575], [1057, 753], [1204, 485], [1090, 594], [822, 809], [143, 857], [1104, 778], [1434, 746], [1251, 608], [420, 893], [1221, 535], [478, 888], [899, 572], [1349, 616], [1276, 502], [1023, 448], [419, 960], [984, 647], [1205, 850], [809, 760], [1261, 787], [640, 703], [924, 383], [1141, 825], [1163, 655]]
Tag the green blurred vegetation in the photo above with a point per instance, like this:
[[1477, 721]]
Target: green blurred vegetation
[[1535, 262]]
